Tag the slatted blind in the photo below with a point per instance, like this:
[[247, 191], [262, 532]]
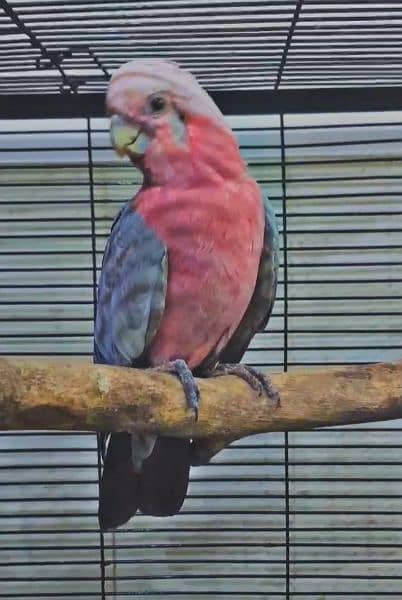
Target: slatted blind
[[314, 514]]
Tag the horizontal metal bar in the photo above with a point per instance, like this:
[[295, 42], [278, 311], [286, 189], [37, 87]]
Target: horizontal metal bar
[[138, 530], [231, 102], [201, 577], [43, 319], [149, 594], [211, 593]]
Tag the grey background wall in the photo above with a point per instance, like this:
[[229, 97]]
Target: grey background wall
[[314, 514]]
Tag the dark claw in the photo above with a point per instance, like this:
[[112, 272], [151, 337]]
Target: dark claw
[[190, 387], [257, 381]]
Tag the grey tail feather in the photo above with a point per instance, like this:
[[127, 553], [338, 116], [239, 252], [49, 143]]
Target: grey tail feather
[[160, 488], [164, 477], [119, 485]]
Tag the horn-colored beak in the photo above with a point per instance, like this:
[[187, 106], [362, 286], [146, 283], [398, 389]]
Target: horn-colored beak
[[123, 134]]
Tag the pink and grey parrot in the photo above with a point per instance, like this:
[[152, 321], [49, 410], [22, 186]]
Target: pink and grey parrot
[[189, 272]]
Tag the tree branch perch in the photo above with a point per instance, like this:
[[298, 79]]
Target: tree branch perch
[[74, 395]]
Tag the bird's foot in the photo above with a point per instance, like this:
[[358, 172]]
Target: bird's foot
[[180, 368], [256, 380]]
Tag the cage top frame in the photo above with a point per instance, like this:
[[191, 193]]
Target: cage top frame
[[293, 55]]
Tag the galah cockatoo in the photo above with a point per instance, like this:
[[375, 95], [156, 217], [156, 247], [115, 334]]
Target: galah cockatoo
[[189, 272]]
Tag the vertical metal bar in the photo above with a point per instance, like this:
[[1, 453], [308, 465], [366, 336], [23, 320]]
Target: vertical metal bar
[[101, 537], [284, 244], [285, 344], [287, 520], [92, 213], [94, 282]]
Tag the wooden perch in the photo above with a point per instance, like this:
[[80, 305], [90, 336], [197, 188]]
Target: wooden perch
[[68, 395]]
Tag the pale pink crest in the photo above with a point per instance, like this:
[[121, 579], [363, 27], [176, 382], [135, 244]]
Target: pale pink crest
[[136, 80]]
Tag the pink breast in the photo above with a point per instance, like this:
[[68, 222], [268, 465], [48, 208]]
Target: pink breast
[[214, 240]]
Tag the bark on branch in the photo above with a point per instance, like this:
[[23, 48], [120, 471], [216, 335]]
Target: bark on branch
[[73, 395]]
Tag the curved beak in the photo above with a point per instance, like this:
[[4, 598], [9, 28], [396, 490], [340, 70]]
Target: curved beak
[[123, 135]]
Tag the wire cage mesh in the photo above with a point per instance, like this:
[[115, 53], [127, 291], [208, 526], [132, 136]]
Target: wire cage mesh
[[285, 515]]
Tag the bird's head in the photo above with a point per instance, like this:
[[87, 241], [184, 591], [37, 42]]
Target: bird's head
[[160, 115]]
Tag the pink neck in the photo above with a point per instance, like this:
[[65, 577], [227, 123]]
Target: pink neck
[[210, 155]]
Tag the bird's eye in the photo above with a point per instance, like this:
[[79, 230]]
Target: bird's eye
[[157, 103]]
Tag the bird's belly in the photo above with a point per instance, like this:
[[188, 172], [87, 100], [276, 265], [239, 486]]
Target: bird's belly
[[214, 247], [207, 294], [202, 312]]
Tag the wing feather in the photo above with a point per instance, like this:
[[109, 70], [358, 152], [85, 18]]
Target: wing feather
[[131, 291]]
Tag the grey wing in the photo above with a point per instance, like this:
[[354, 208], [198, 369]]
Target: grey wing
[[131, 291], [260, 308]]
